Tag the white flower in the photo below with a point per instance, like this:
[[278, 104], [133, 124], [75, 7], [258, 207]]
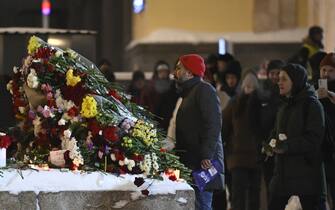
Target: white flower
[[10, 86], [282, 137], [126, 161], [121, 163], [100, 132], [113, 157], [22, 109], [58, 53], [67, 134], [15, 69], [131, 165], [273, 143], [62, 122], [32, 80]]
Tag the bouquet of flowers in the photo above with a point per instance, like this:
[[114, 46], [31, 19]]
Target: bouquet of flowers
[[71, 116]]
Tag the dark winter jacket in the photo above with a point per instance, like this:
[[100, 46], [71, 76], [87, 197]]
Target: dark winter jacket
[[198, 127], [298, 170], [241, 131], [328, 147]]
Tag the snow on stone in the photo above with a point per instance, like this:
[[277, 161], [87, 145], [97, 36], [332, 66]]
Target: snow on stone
[[55, 181], [168, 35], [120, 204], [182, 200]]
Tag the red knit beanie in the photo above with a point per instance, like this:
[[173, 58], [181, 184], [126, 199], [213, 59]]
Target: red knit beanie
[[194, 63], [328, 60]]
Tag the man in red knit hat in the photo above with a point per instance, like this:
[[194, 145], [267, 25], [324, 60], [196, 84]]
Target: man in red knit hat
[[198, 125]]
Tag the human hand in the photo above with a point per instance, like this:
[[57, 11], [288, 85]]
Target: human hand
[[322, 93], [206, 164]]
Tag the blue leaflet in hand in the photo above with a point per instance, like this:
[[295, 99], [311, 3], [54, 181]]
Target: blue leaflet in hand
[[202, 177]]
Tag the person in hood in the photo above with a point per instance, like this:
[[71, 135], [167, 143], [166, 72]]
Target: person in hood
[[198, 125], [327, 71], [296, 142], [230, 79], [158, 86]]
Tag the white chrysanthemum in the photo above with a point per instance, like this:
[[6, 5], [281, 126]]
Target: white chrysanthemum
[[273, 143], [67, 133], [61, 122], [131, 165], [282, 137], [58, 53]]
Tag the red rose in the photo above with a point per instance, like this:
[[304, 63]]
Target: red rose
[[110, 134], [118, 155], [138, 158], [5, 141], [73, 112], [94, 127], [75, 94], [113, 93]]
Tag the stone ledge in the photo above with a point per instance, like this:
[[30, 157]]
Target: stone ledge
[[90, 200]]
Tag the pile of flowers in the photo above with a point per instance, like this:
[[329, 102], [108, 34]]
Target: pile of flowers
[[70, 116]]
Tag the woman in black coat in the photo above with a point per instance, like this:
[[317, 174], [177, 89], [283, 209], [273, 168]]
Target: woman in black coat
[[296, 142]]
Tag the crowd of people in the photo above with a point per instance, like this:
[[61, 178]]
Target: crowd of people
[[279, 128]]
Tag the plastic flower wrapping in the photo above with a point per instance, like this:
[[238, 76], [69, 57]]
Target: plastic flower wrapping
[[70, 116]]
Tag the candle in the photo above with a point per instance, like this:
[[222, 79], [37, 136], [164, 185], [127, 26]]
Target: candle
[[2, 157]]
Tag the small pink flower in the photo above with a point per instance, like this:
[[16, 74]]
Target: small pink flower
[[49, 96]]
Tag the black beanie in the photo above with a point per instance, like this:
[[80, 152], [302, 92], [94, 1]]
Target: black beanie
[[233, 67], [275, 64], [298, 76]]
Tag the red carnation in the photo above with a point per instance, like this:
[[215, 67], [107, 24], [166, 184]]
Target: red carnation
[[173, 177], [110, 134], [5, 141], [73, 112], [114, 93]]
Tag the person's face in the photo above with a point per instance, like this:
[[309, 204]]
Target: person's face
[[139, 84], [163, 74], [249, 88], [231, 80], [285, 84], [274, 76], [318, 37], [327, 72], [221, 66], [181, 74]]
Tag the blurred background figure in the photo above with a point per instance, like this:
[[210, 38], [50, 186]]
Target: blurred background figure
[[137, 86], [106, 68], [230, 77], [311, 45], [242, 144]]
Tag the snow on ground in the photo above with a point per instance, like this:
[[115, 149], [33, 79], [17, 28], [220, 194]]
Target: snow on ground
[[55, 180]]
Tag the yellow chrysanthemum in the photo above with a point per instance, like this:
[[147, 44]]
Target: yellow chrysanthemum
[[33, 44], [70, 79], [89, 107]]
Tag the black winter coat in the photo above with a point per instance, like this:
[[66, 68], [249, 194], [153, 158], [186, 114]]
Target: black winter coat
[[198, 127], [298, 170]]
